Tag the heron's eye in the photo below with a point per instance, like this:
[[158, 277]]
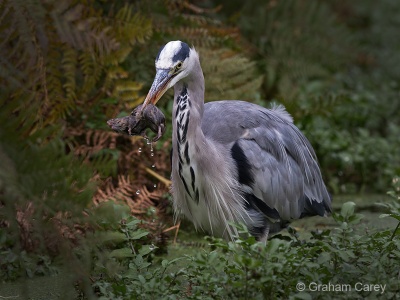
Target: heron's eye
[[178, 66]]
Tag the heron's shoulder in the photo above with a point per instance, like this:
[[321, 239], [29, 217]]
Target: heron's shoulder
[[228, 120], [239, 109]]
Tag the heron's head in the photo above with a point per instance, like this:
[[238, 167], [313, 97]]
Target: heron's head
[[173, 63]]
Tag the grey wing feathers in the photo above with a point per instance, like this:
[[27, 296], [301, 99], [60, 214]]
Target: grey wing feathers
[[283, 165]]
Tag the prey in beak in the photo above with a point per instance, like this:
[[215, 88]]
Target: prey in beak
[[139, 121], [172, 65]]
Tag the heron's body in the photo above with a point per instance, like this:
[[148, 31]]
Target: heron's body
[[234, 161]]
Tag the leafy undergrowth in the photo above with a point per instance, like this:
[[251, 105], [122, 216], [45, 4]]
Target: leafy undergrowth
[[121, 260], [337, 263]]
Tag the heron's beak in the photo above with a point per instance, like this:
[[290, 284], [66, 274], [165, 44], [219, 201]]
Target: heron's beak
[[159, 86]]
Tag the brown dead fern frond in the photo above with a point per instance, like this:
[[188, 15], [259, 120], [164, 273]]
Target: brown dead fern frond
[[137, 197], [200, 10], [95, 147], [24, 219], [196, 24], [100, 139], [47, 233], [146, 199], [122, 191]]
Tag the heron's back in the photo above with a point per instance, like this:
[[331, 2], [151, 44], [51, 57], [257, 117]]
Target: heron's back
[[279, 162]]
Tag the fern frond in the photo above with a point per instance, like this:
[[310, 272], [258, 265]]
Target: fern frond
[[137, 197], [128, 91], [69, 63], [133, 28], [218, 65], [321, 43], [79, 26], [192, 24], [91, 71], [124, 191]]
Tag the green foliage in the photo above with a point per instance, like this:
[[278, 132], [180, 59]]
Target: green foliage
[[394, 207], [42, 194], [253, 271], [247, 269], [347, 141], [123, 261], [297, 42], [16, 265]]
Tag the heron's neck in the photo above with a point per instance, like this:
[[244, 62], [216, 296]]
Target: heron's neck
[[187, 135], [188, 113], [192, 90], [189, 104]]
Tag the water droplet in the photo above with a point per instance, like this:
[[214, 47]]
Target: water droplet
[[153, 166], [152, 247], [137, 192], [152, 154], [151, 147], [140, 150], [155, 185]]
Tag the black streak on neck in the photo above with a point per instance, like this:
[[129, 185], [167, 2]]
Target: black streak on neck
[[182, 94], [182, 117]]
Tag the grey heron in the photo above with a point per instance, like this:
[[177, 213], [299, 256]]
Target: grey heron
[[234, 161]]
